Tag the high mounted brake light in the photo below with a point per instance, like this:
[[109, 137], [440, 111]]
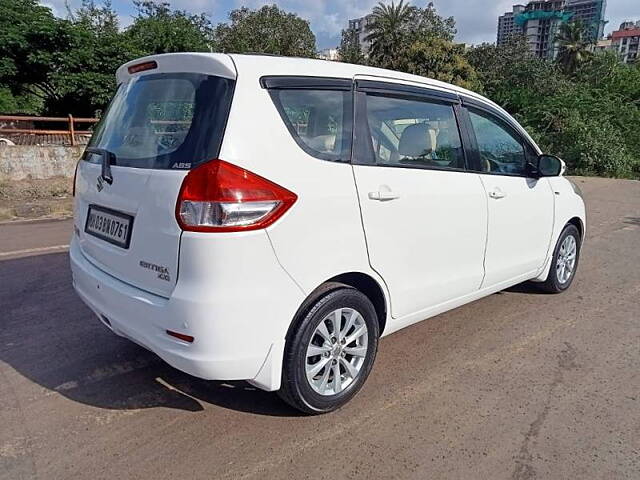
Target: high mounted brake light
[[141, 67], [220, 197]]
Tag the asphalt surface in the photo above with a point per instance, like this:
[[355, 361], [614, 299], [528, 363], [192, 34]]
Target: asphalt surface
[[519, 385]]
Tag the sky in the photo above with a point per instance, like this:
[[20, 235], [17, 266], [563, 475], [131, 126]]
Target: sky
[[476, 20]]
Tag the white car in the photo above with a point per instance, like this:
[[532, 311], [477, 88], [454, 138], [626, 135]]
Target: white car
[[269, 219]]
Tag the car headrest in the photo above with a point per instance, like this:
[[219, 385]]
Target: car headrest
[[416, 140], [322, 143]]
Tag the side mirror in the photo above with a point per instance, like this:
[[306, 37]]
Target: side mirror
[[549, 166]]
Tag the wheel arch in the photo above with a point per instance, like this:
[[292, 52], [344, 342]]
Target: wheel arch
[[577, 222], [372, 290], [362, 282]]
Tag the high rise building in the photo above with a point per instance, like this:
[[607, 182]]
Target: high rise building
[[591, 14], [626, 41], [329, 54], [540, 20], [360, 27], [507, 26]]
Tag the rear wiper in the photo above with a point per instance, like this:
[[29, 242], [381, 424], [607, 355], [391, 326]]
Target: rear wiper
[[107, 159]]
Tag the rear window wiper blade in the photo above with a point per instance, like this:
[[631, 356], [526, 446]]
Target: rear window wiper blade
[[108, 158]]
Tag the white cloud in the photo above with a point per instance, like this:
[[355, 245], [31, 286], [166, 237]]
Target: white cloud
[[59, 7], [196, 6]]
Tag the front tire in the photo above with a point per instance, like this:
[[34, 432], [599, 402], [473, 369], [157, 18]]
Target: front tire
[[564, 262], [330, 352]]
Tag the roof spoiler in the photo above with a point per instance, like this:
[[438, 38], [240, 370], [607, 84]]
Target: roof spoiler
[[217, 64]]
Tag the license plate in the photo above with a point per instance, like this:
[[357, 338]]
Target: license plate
[[109, 225]]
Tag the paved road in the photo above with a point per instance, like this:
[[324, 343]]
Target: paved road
[[34, 237], [519, 385]]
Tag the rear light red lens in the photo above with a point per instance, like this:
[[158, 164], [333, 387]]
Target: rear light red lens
[[220, 197], [141, 67], [180, 336]]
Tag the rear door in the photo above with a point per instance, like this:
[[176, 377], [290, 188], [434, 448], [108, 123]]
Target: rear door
[[520, 208], [161, 123], [424, 213]]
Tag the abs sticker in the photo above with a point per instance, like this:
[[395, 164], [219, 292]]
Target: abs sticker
[[182, 165]]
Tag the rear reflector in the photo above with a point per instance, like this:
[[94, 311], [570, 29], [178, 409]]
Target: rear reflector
[[220, 197], [181, 336], [141, 67]]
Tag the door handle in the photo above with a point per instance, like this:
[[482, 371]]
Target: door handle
[[497, 193], [383, 196]]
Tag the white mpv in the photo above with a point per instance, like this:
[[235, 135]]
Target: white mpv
[[269, 219]]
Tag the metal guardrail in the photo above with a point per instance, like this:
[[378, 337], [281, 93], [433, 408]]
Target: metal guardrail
[[70, 120]]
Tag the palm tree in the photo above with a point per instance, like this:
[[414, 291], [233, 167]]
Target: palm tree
[[573, 45], [387, 29]]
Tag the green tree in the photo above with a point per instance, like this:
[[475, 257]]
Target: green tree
[[426, 24], [349, 50], [389, 33], [85, 81], [512, 75], [158, 29], [440, 59], [32, 45], [573, 45], [267, 30], [399, 34], [100, 20], [19, 104]]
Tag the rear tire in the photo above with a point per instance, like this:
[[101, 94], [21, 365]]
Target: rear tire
[[564, 263], [325, 366]]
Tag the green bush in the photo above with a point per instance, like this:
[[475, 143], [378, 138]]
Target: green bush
[[591, 147]]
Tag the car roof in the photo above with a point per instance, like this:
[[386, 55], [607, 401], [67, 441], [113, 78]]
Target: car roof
[[265, 65], [258, 65]]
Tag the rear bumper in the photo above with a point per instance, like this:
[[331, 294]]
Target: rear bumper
[[234, 339]]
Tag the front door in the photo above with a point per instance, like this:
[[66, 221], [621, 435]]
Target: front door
[[520, 208]]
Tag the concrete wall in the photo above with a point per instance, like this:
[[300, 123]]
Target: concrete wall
[[22, 162]]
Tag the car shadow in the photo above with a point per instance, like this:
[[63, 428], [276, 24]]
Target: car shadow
[[531, 288], [50, 337]]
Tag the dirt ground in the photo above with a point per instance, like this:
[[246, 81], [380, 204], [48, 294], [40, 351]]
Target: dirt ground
[[28, 199]]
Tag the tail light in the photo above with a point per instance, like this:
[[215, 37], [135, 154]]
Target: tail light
[[221, 197]]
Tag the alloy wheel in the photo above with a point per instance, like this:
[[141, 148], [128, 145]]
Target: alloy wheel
[[566, 262], [336, 351]]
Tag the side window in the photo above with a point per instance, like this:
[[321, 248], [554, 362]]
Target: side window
[[319, 120], [414, 133], [500, 150]]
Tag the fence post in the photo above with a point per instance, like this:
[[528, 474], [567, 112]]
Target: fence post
[[71, 131]]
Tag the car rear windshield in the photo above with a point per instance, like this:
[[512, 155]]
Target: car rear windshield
[[165, 121]]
